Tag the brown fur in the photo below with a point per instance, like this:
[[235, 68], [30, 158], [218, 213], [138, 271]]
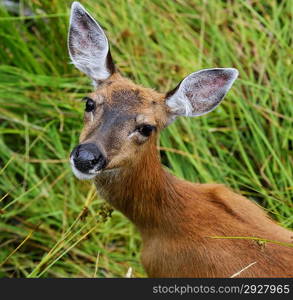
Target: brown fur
[[177, 219]]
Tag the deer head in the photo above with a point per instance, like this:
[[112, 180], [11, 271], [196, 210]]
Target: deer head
[[122, 120]]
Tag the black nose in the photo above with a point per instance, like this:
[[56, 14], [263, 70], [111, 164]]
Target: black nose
[[88, 157]]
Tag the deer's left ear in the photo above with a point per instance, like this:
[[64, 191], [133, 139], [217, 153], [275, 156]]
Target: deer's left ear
[[88, 45], [200, 92]]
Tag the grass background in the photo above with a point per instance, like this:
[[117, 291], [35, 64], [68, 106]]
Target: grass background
[[51, 224]]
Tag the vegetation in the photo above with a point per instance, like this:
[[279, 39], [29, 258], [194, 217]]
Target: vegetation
[[51, 224]]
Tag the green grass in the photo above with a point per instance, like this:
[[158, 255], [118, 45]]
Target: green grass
[[246, 143]]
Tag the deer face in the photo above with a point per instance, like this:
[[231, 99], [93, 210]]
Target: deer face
[[121, 119]]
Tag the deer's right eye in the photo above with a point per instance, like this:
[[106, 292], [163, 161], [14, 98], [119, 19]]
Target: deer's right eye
[[90, 104]]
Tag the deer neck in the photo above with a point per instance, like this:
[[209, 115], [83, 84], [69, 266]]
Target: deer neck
[[145, 193]]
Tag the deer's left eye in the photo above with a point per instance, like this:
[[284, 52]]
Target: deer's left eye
[[146, 130], [90, 104]]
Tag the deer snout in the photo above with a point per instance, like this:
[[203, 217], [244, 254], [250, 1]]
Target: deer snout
[[87, 159]]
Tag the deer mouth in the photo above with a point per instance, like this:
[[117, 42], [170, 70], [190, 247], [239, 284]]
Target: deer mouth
[[91, 174], [87, 161], [81, 174]]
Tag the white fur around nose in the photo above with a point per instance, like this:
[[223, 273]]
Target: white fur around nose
[[88, 44], [79, 174]]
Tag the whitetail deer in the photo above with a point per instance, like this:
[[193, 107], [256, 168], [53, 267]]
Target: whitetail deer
[[175, 218]]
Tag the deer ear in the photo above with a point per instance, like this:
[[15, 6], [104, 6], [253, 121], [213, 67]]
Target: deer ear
[[200, 92], [88, 45]]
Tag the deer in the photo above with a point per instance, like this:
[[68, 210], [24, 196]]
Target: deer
[[177, 220]]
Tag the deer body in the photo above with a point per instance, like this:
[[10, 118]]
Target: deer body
[[178, 220]]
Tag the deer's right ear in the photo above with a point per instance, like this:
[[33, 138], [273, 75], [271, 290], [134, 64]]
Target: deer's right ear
[[88, 45]]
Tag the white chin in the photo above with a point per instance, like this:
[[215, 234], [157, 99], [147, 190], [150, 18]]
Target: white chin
[[79, 174]]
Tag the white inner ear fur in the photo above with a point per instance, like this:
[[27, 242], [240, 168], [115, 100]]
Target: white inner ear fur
[[87, 43], [202, 91]]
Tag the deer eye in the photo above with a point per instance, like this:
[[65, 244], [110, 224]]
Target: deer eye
[[146, 129], [90, 104]]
